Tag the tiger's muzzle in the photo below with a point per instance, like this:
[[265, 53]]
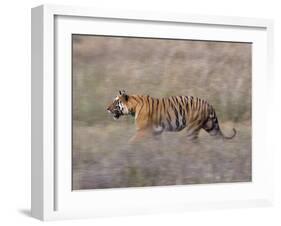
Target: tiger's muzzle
[[115, 111]]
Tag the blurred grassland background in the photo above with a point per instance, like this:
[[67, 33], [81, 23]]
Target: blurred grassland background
[[219, 72]]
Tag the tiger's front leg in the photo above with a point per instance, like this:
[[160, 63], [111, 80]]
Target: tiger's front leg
[[140, 135]]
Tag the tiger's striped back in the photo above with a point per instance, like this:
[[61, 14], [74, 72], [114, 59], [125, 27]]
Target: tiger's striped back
[[176, 113]]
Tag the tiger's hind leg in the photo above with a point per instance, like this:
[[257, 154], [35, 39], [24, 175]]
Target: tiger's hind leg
[[211, 126]]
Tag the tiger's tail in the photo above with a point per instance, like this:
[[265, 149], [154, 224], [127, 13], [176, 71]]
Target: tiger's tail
[[229, 137]]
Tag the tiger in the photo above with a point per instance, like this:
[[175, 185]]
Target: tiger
[[175, 113]]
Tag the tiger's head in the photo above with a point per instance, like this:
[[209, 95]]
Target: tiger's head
[[119, 106]]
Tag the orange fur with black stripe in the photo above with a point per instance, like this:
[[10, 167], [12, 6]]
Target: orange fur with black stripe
[[156, 115]]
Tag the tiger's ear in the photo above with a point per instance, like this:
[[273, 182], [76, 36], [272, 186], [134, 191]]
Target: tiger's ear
[[126, 97], [122, 92]]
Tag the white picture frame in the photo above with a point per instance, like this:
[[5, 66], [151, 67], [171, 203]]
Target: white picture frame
[[52, 197]]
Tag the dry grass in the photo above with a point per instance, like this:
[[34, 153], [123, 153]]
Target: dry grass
[[105, 159]]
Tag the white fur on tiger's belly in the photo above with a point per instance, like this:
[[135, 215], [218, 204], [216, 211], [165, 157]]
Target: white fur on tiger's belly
[[158, 129]]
